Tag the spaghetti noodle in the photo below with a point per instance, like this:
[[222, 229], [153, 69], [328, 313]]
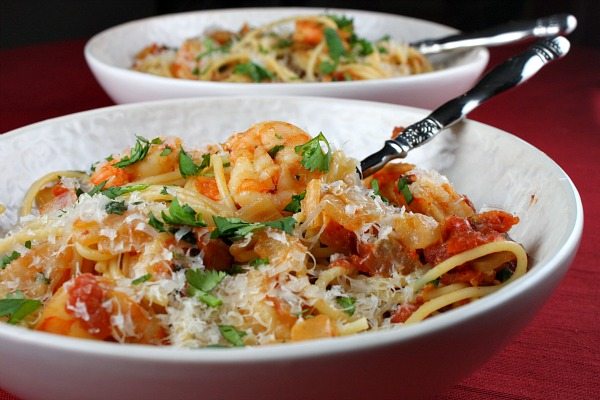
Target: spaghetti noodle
[[270, 237], [320, 48]]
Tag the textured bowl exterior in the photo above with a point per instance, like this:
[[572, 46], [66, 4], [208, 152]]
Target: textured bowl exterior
[[408, 362], [110, 54]]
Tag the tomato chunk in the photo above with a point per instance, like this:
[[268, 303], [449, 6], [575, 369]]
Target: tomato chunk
[[85, 302]]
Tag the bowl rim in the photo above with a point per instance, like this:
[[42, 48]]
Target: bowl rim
[[480, 55], [312, 348]]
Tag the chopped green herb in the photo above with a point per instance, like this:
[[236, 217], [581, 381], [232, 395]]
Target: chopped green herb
[[211, 46], [164, 191], [313, 156], [363, 45], [7, 259], [327, 67], [334, 44], [156, 223], [98, 188], [235, 228], [182, 215], [294, 205], [166, 151], [137, 153], [254, 71], [232, 335], [404, 189], [116, 207], [16, 307], [342, 21], [187, 167], [116, 191], [283, 43], [196, 71], [375, 187], [141, 279], [109, 158], [202, 282], [156, 140], [28, 244], [258, 262], [435, 282], [347, 304], [275, 149]]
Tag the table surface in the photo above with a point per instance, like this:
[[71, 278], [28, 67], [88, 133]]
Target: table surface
[[558, 354]]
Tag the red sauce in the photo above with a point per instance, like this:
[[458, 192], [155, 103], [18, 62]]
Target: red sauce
[[338, 238], [88, 291], [462, 234]]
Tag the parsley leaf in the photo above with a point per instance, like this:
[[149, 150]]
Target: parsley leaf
[[258, 262], [313, 156], [166, 151], [116, 191], [404, 189], [232, 335], [363, 45], [141, 279], [7, 259], [334, 44], [116, 207], [294, 205], [342, 21], [182, 215], [375, 187], [28, 244], [283, 43], [17, 307], [187, 166], [156, 223], [327, 67], [98, 188], [202, 282], [235, 228], [205, 280], [254, 71], [347, 304], [275, 149], [137, 153]]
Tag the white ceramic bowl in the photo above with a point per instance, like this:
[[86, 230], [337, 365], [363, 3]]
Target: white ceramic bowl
[[407, 362], [110, 55]]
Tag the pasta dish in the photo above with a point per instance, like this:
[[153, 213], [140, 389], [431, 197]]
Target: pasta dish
[[319, 48], [269, 237]]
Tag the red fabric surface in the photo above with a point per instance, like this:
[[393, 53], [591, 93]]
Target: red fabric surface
[[557, 356]]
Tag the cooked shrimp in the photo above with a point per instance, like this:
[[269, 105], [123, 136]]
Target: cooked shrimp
[[186, 64], [39, 272], [266, 165], [431, 193], [157, 162]]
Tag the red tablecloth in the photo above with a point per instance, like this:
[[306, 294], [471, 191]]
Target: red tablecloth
[[558, 355]]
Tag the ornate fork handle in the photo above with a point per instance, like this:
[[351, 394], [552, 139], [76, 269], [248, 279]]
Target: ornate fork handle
[[509, 74]]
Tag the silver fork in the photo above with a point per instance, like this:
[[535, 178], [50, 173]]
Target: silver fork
[[509, 74], [554, 25]]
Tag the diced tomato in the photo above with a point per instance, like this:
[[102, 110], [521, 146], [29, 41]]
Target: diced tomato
[[403, 312], [86, 297], [215, 254], [338, 238], [462, 234], [59, 189]]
